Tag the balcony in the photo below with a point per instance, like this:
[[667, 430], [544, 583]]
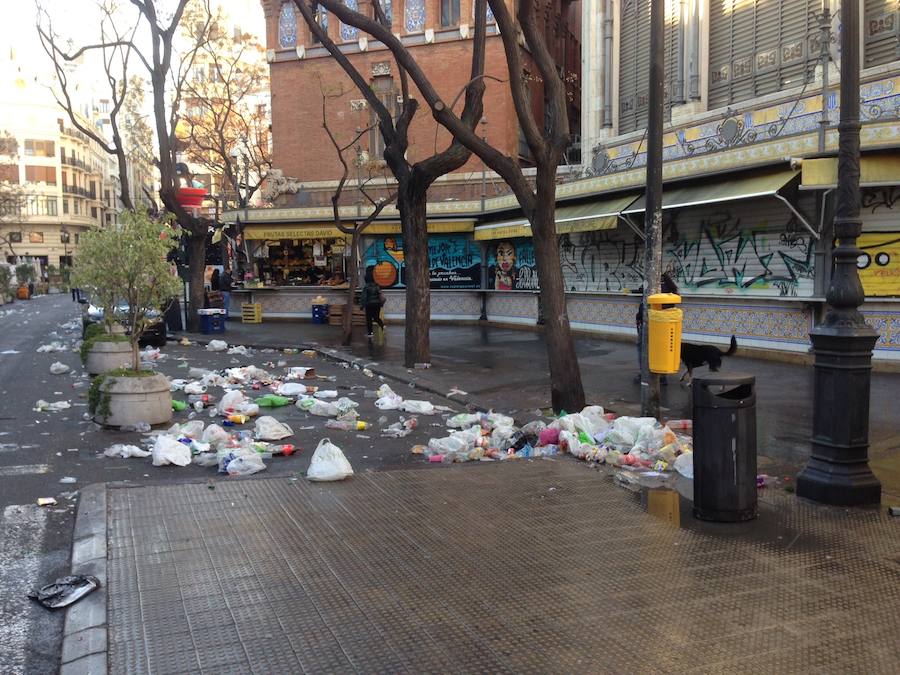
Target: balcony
[[78, 191], [77, 163], [73, 133]]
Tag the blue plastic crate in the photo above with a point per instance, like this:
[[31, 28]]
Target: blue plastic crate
[[212, 323]]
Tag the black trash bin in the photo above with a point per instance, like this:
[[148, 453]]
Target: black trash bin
[[725, 447]]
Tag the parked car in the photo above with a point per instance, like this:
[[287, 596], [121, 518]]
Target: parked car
[[154, 335]]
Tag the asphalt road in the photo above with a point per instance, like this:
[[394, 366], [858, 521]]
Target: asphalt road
[[38, 449]]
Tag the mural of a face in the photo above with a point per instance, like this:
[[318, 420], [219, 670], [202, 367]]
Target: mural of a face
[[506, 257], [879, 263]]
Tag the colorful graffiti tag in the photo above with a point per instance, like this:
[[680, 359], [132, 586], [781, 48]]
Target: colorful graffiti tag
[[454, 261], [879, 263], [511, 265]]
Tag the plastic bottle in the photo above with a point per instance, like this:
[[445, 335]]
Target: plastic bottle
[[287, 449], [178, 406], [237, 418], [346, 425], [204, 398]]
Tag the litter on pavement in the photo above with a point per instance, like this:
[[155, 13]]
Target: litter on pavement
[[65, 591], [57, 368]]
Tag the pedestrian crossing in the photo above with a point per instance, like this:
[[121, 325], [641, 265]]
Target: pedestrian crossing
[[21, 537]]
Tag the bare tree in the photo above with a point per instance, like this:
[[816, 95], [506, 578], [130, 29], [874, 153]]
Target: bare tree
[[355, 229], [413, 178], [222, 117], [547, 145], [115, 49]]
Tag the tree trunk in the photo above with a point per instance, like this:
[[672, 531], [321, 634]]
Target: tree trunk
[[411, 202], [196, 245], [353, 279], [566, 390]]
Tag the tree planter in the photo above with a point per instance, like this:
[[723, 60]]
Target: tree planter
[[106, 356], [128, 400]]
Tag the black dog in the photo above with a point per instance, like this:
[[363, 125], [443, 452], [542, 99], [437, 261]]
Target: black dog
[[694, 356]]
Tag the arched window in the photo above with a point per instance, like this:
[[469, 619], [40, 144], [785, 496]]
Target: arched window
[[349, 33]]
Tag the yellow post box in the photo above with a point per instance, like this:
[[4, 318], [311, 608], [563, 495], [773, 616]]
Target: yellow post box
[[664, 338]]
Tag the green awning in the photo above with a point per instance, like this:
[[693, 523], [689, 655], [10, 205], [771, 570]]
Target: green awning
[[599, 215], [747, 187]]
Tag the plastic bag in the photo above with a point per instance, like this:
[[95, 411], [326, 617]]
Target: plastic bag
[[463, 420], [245, 465], [390, 401], [296, 373], [194, 388], [231, 400], [240, 350], [273, 401], [323, 408], [192, 429], [217, 346], [270, 429], [125, 451], [167, 450], [684, 464], [215, 435], [625, 430], [384, 390], [57, 368], [328, 463], [417, 407], [292, 389], [345, 404], [497, 420], [326, 393]]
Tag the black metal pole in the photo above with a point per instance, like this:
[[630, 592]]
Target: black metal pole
[[838, 470], [653, 214]]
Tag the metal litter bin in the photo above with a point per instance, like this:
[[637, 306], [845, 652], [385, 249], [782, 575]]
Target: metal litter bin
[[725, 447]]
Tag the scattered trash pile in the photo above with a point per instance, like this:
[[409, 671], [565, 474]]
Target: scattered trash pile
[[592, 435]]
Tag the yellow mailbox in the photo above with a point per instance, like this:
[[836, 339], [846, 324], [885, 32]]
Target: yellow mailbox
[[664, 338]]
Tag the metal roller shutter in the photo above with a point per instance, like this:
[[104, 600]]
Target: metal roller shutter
[[759, 47], [882, 39], [634, 61]]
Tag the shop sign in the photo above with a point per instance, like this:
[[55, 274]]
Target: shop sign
[[298, 232]]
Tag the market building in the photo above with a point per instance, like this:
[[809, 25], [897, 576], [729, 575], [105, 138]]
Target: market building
[[749, 169]]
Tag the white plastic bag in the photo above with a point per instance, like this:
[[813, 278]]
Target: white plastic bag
[[292, 389], [58, 368], [167, 450], [217, 346], [328, 463], [345, 404], [389, 401], [231, 400], [270, 429], [245, 465], [684, 464], [326, 393], [194, 388], [324, 409], [192, 429], [418, 407], [214, 435], [125, 451], [241, 350], [463, 420]]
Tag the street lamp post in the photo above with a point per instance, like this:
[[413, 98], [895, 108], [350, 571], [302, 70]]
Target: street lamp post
[[838, 470]]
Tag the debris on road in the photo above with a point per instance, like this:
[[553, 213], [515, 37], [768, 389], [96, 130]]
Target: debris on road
[[124, 451], [46, 501], [65, 591], [54, 346], [217, 346], [270, 429], [328, 463], [57, 368], [44, 406]]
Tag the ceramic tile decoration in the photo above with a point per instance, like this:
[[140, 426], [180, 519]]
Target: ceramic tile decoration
[[414, 16], [287, 26], [349, 33]]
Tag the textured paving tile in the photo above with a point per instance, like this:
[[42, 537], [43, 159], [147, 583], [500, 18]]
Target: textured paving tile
[[516, 567]]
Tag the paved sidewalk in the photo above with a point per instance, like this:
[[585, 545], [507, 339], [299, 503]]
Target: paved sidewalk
[[541, 566], [507, 370]]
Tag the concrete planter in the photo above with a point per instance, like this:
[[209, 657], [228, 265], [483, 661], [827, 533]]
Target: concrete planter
[[136, 399], [106, 356]]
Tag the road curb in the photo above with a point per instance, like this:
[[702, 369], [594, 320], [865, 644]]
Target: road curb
[[84, 646]]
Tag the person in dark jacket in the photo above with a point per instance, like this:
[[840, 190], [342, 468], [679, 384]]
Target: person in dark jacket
[[666, 285], [371, 301], [225, 283]]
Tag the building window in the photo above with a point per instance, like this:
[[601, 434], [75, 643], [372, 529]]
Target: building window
[[322, 20], [383, 87], [38, 174], [35, 148], [349, 33], [35, 237], [65, 206], [387, 6], [449, 12], [77, 206], [287, 26], [414, 16], [881, 24], [15, 237], [94, 212], [42, 206]]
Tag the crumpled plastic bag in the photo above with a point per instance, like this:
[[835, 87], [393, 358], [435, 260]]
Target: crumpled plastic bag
[[167, 450], [651, 439], [57, 368], [215, 435], [463, 420], [292, 389], [297, 373], [125, 451], [52, 347], [217, 346], [501, 436], [326, 393], [684, 464], [245, 465], [192, 429], [417, 407], [273, 401], [328, 463], [56, 406], [195, 388], [270, 429], [231, 400], [240, 350], [65, 590], [625, 430], [497, 420], [390, 401], [345, 404]]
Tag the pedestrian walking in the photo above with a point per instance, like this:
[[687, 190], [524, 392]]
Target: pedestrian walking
[[372, 300], [667, 285]]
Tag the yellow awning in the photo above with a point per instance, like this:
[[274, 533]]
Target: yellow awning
[[434, 227], [701, 194], [877, 171], [311, 231], [505, 230]]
